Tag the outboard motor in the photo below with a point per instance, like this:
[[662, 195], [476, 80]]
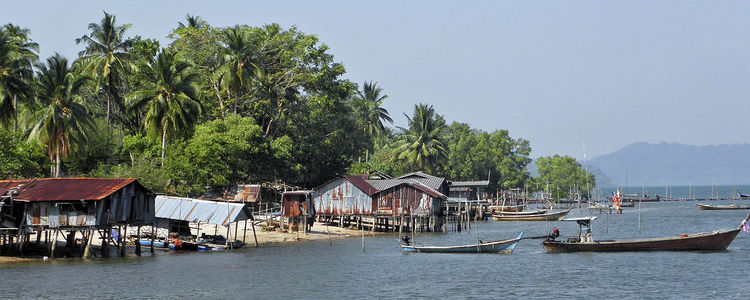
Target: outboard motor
[[406, 240]]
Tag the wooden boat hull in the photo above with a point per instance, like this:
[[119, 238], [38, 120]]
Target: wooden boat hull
[[504, 246], [717, 240], [157, 244], [702, 206], [540, 217], [523, 213]]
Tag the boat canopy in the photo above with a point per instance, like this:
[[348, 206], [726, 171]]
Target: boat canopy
[[585, 221]]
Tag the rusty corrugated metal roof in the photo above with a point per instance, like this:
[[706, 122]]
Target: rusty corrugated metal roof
[[434, 182], [68, 189], [361, 183], [5, 185]]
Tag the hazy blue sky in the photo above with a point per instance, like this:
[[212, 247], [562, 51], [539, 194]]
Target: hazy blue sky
[[557, 73]]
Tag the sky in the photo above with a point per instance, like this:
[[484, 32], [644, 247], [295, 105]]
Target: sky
[[561, 74]]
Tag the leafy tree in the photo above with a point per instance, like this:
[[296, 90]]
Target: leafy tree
[[19, 159], [564, 174], [221, 152], [368, 105], [62, 122], [236, 69], [475, 154], [201, 47], [421, 144], [192, 22], [17, 55], [170, 101], [106, 58]]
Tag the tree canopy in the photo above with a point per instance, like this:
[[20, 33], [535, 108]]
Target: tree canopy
[[219, 106]]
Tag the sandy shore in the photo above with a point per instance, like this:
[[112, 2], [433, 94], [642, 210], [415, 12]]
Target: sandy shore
[[275, 237], [266, 238]]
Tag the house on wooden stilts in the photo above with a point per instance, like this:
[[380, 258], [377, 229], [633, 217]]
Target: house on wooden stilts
[[66, 208]]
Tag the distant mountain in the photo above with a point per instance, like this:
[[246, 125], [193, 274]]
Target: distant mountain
[[676, 164]]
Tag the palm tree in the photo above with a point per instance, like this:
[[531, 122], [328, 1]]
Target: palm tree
[[107, 56], [369, 106], [421, 144], [62, 121], [170, 102], [17, 55], [235, 68], [192, 22]]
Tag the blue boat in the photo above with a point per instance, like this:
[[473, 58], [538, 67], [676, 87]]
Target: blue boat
[[157, 244], [503, 246]]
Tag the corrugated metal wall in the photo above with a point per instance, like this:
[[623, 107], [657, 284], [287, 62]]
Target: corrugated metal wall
[[408, 200], [341, 197], [129, 204]]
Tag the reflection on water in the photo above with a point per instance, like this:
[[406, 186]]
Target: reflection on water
[[317, 269]]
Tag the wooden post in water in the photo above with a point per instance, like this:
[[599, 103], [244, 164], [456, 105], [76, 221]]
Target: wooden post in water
[[87, 250], [255, 237], [639, 216], [54, 243], [153, 234], [244, 233], [362, 228], [138, 242]]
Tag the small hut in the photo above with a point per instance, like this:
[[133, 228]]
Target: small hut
[[71, 205], [297, 207]]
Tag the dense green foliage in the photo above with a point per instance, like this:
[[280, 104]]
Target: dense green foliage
[[219, 106], [565, 176]]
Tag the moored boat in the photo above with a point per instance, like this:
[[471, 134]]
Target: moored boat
[[547, 216], [502, 246], [522, 213], [715, 240], [702, 206], [507, 208]]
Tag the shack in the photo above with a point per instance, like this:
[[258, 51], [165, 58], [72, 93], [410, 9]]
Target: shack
[[470, 190], [399, 197], [177, 214], [345, 195], [298, 208], [59, 205]]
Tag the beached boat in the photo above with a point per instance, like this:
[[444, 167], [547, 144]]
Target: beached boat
[[715, 240], [702, 206], [503, 246], [547, 216]]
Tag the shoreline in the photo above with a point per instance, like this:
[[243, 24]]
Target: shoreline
[[319, 232]]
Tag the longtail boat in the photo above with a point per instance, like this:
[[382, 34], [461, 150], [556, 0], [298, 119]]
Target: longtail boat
[[702, 206], [503, 246], [507, 208], [715, 240], [548, 216], [522, 213]]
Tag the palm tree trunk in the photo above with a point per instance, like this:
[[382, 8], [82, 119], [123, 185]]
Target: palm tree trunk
[[163, 143], [15, 114], [57, 162]]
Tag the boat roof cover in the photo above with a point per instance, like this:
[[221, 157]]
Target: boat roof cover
[[204, 211], [587, 218]]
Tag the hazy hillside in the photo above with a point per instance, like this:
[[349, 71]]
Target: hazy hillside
[[676, 164]]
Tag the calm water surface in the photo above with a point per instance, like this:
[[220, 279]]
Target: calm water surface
[[341, 270]]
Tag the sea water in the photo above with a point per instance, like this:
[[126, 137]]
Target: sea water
[[342, 269]]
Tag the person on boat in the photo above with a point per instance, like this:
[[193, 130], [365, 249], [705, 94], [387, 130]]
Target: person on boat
[[553, 234], [406, 240], [657, 197]]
